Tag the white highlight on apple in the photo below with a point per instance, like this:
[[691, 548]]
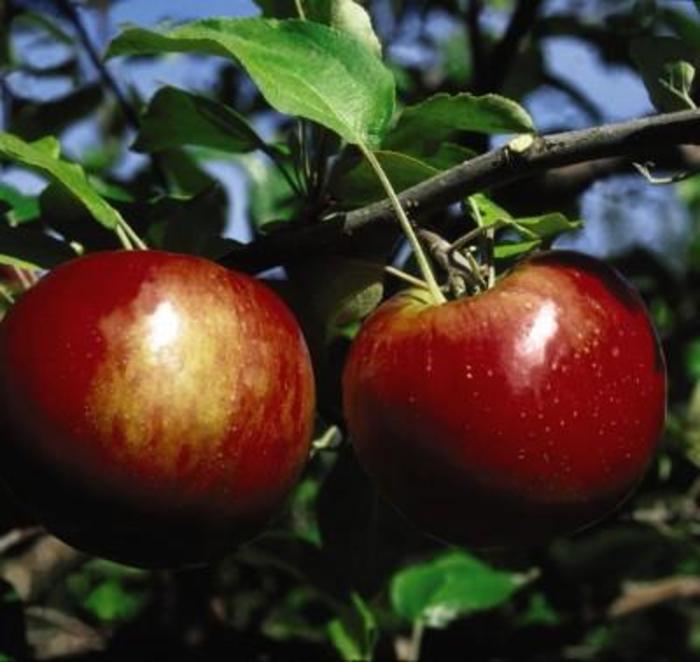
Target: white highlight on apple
[[163, 327], [533, 344]]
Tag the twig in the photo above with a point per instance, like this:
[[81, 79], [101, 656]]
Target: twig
[[17, 537], [402, 275], [649, 594], [68, 9], [53, 634], [644, 169], [476, 42], [638, 139], [408, 648], [71, 13], [503, 56], [36, 571]]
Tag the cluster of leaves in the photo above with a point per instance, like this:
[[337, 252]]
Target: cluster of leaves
[[341, 571]]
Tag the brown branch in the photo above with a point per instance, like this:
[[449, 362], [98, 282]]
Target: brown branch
[[53, 634], [72, 14], [37, 570], [17, 537], [649, 594], [68, 9], [476, 42], [521, 22], [635, 139]]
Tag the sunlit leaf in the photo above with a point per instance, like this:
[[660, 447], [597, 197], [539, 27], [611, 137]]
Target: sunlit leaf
[[301, 67], [667, 66], [442, 115], [21, 208], [451, 585], [508, 250], [355, 635], [41, 156], [546, 226]]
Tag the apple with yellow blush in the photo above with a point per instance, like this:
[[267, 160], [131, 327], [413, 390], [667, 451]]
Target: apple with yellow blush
[[156, 408]]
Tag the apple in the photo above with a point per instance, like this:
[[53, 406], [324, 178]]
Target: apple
[[524, 412], [155, 408]]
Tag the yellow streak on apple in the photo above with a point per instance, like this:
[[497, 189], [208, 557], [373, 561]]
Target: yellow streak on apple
[[159, 354]]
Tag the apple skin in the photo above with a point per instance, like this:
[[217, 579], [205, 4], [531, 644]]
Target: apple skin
[[155, 408], [525, 412]]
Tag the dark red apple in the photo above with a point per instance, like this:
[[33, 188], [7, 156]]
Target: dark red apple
[[527, 411], [155, 408]]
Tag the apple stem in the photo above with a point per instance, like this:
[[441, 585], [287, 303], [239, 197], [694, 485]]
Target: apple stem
[[468, 238], [23, 278], [421, 258], [490, 235], [300, 9], [411, 648], [123, 237], [5, 294], [398, 273], [128, 238]]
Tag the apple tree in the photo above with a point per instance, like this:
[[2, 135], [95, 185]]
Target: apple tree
[[506, 432]]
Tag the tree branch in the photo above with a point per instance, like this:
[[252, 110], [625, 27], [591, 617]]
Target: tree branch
[[71, 13], [68, 9], [503, 56], [636, 139], [476, 43], [644, 596]]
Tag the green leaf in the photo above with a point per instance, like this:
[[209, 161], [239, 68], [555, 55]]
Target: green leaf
[[355, 635], [684, 26], [456, 57], [358, 184], [314, 10], [22, 208], [441, 116], [32, 120], [111, 602], [175, 118], [508, 250], [546, 226], [340, 290], [539, 612], [692, 359], [452, 585], [489, 211], [271, 199], [447, 155], [42, 156], [667, 66], [184, 174], [36, 19], [187, 224], [301, 67], [288, 621], [691, 440], [348, 16]]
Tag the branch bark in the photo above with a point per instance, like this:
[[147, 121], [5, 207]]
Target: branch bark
[[69, 10], [637, 597], [522, 21], [637, 139]]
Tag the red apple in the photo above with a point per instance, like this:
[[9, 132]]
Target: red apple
[[156, 408], [527, 411]]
